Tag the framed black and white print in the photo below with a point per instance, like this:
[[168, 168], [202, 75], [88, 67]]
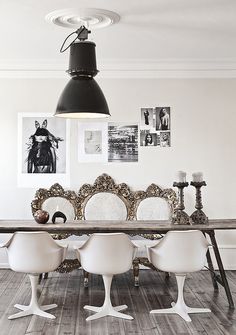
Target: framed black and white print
[[155, 127], [162, 118], [122, 142], [92, 142], [43, 150], [148, 118], [165, 139], [148, 139]]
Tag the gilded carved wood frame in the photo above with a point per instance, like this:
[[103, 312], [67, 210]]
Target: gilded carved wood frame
[[105, 183], [55, 190]]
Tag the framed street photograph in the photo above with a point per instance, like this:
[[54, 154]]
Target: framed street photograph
[[122, 142], [43, 150]]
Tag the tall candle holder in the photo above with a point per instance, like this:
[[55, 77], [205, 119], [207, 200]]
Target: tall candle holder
[[179, 215], [198, 216]]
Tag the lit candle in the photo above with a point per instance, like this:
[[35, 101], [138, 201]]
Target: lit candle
[[181, 177], [197, 177]]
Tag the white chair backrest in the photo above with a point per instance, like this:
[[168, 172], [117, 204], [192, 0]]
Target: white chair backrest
[[107, 253], [180, 251], [34, 252], [105, 206]]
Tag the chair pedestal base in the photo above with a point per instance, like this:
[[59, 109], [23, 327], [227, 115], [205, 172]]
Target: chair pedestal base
[[182, 310], [180, 307], [107, 308], [33, 307]]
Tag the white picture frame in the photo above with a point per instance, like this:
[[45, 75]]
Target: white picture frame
[[30, 173], [92, 142]]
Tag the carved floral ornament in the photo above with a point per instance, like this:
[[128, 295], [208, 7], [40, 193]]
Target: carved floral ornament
[[155, 191], [104, 183], [55, 190]]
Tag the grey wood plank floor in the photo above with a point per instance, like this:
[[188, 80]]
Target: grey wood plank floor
[[155, 291]]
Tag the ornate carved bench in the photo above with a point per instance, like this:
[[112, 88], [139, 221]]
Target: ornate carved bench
[[106, 200]]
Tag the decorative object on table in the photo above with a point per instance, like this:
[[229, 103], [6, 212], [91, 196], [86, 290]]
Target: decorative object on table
[[82, 97], [58, 215], [43, 150], [41, 216], [198, 216], [179, 215], [155, 127]]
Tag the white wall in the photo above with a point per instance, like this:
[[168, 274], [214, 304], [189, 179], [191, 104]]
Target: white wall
[[203, 123]]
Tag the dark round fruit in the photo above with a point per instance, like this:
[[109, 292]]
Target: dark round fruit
[[41, 216]]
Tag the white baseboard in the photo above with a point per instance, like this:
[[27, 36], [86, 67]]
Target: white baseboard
[[228, 256]]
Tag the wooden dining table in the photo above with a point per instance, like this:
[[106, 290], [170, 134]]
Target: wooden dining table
[[135, 227]]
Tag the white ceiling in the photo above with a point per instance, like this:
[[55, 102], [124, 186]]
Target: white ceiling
[[155, 30]]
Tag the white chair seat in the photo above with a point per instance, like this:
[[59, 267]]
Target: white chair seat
[[34, 253], [107, 255], [180, 252]]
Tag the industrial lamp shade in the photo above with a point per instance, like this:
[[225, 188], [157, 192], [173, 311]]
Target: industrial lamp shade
[[82, 97]]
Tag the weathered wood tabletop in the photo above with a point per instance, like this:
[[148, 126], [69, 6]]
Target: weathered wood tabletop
[[86, 226]]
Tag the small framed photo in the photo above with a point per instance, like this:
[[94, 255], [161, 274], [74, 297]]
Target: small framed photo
[[43, 150], [148, 139], [92, 142], [165, 139], [162, 118], [148, 118]]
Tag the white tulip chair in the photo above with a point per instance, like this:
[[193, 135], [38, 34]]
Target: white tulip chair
[[34, 253], [107, 255], [180, 252]]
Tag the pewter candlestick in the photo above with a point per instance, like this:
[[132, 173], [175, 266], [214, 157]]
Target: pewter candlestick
[[179, 215], [198, 216]]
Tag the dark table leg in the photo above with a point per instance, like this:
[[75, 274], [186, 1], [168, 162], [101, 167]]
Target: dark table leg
[[211, 268], [40, 278], [45, 275], [223, 278], [86, 278]]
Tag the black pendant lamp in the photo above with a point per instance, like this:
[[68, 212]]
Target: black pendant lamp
[[82, 97]]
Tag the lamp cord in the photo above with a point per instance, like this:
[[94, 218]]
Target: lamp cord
[[82, 35], [63, 50]]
